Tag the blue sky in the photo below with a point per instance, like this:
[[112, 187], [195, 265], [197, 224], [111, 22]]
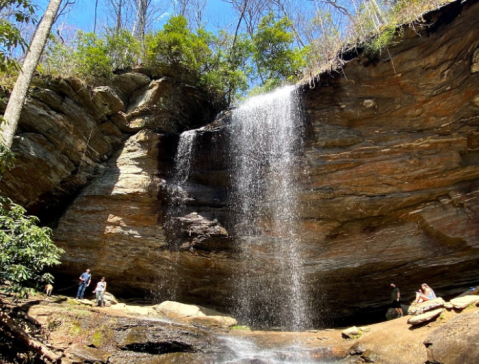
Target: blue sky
[[218, 13]]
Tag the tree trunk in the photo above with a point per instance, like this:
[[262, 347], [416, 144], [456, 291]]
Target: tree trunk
[[96, 14], [9, 325], [19, 92], [140, 20]]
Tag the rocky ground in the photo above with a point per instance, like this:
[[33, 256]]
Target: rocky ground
[[171, 332]]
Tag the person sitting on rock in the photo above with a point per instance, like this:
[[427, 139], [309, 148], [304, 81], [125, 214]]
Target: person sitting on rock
[[100, 292], [424, 294]]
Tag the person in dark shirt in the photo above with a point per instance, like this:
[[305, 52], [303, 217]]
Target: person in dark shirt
[[396, 298], [85, 280]]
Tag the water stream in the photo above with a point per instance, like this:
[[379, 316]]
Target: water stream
[[168, 286], [266, 136]]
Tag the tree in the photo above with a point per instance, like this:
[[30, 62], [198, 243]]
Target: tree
[[140, 20], [148, 13], [275, 58], [192, 10], [19, 92], [21, 11]]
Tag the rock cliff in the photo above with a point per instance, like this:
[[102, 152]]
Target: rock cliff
[[389, 177]]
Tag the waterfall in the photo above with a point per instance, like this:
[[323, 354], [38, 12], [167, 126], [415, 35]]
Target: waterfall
[[183, 157], [266, 136], [178, 196]]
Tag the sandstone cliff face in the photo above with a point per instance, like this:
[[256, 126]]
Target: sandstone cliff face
[[68, 130], [389, 177], [392, 185]]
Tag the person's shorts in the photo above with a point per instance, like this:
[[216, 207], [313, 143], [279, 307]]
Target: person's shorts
[[396, 304]]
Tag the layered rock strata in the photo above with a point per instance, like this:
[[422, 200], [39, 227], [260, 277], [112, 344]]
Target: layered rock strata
[[391, 192]]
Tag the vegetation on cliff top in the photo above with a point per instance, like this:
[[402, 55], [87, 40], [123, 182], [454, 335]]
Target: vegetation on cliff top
[[269, 42]]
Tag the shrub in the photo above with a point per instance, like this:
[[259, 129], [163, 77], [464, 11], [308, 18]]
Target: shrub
[[25, 249]]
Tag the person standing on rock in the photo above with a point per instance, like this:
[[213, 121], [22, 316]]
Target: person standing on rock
[[396, 298], [100, 292], [85, 280]]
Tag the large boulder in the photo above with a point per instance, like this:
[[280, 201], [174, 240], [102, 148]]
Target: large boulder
[[424, 317], [194, 314], [419, 308], [461, 303], [456, 342]]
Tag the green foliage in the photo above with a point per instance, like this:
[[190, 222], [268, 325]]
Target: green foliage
[[25, 249], [21, 11], [380, 41], [122, 48], [222, 64], [274, 56], [240, 327], [91, 55], [201, 54], [175, 45]]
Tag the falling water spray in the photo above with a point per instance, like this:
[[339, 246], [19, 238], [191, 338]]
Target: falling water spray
[[266, 137]]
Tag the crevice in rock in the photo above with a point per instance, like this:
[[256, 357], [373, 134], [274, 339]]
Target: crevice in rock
[[158, 348]]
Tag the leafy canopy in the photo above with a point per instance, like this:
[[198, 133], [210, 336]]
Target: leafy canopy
[[275, 57], [21, 11], [223, 64], [25, 249]]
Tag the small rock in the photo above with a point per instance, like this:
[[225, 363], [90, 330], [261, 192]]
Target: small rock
[[109, 298], [369, 356], [391, 314], [426, 306], [475, 62], [350, 332], [356, 349], [462, 302], [448, 306], [369, 103], [427, 316]]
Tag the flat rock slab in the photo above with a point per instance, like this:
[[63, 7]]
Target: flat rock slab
[[456, 342], [87, 354], [426, 306], [194, 314], [425, 317], [461, 303]]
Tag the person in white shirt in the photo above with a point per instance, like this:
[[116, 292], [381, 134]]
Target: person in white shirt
[[100, 292]]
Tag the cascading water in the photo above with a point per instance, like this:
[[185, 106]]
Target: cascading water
[[177, 206], [266, 136], [183, 157]]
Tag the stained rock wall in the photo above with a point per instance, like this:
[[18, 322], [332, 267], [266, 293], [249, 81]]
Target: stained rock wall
[[392, 188]]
